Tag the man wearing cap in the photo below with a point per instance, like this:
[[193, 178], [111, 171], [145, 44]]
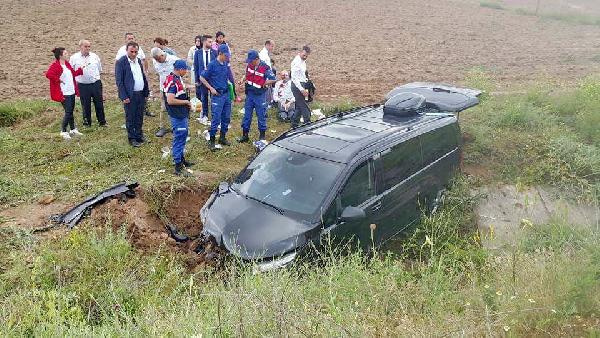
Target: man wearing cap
[[215, 78], [258, 76], [178, 106], [163, 65]]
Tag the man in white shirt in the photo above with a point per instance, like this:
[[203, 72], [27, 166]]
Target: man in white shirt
[[265, 56], [265, 53], [133, 90], [283, 96], [90, 86], [299, 89], [163, 65], [129, 37]]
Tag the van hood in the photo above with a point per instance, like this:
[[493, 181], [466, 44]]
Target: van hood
[[250, 229], [440, 96]]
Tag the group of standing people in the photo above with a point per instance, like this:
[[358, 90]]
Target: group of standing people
[[211, 75]]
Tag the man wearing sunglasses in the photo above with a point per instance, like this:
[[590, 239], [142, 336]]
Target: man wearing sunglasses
[[133, 90]]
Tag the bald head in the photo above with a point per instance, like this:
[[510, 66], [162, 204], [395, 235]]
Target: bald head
[[84, 47]]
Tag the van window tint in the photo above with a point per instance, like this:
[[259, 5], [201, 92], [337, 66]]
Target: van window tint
[[439, 142], [359, 186], [400, 162]]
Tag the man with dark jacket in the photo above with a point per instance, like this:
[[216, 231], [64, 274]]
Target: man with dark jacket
[[202, 58], [133, 91]]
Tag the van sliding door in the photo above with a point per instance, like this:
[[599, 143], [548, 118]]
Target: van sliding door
[[398, 170]]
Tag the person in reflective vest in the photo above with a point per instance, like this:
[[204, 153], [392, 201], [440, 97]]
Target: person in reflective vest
[[258, 76], [178, 106]]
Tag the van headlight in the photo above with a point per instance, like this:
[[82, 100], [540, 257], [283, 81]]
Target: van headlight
[[275, 263]]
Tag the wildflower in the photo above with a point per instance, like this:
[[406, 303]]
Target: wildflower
[[513, 297], [553, 311], [531, 300], [506, 328], [428, 241], [486, 286], [499, 293]]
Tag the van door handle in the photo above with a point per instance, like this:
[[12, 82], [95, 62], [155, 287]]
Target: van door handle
[[377, 206]]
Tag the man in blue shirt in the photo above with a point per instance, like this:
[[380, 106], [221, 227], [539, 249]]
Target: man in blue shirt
[[258, 76], [215, 78], [178, 106]]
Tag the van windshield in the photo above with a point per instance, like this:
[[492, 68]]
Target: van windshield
[[287, 180]]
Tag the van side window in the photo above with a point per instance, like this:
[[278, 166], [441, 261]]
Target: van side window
[[439, 142], [400, 162], [359, 187]]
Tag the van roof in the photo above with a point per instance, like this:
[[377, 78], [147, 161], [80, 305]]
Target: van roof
[[342, 136]]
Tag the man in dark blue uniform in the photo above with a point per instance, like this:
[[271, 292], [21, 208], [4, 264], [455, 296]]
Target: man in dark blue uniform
[[178, 106], [258, 76], [215, 78]]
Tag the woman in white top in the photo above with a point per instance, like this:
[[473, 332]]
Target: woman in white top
[[63, 89]]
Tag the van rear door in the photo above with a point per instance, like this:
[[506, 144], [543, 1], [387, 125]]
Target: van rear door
[[439, 96]]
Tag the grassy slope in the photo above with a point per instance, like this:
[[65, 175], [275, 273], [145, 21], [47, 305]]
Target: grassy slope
[[36, 161], [440, 281]]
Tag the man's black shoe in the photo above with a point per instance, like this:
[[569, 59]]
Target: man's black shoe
[[223, 141], [149, 113], [244, 138], [180, 170], [187, 163], [262, 135], [161, 132], [211, 144], [134, 143]]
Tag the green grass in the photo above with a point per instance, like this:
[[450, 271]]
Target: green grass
[[491, 4], [548, 135], [435, 280], [95, 283], [13, 112], [567, 17], [36, 161]]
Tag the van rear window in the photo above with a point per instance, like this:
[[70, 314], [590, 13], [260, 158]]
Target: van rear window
[[439, 142]]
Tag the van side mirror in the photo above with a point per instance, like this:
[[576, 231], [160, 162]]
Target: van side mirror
[[352, 214]]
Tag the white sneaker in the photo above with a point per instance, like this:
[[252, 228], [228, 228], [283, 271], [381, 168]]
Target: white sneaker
[[204, 120], [65, 135], [75, 132]]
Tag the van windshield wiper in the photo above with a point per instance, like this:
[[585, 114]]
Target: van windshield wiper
[[265, 203]]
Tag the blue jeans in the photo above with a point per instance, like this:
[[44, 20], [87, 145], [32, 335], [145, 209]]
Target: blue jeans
[[257, 102], [202, 94], [221, 113], [180, 134]]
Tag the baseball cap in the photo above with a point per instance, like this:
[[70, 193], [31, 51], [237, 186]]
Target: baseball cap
[[224, 49], [180, 64], [252, 55]]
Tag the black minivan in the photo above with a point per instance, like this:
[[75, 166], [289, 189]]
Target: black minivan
[[364, 174]]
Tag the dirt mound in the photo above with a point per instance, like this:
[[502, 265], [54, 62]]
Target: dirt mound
[[146, 222]]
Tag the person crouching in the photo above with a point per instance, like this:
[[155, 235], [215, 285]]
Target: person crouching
[[178, 106]]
